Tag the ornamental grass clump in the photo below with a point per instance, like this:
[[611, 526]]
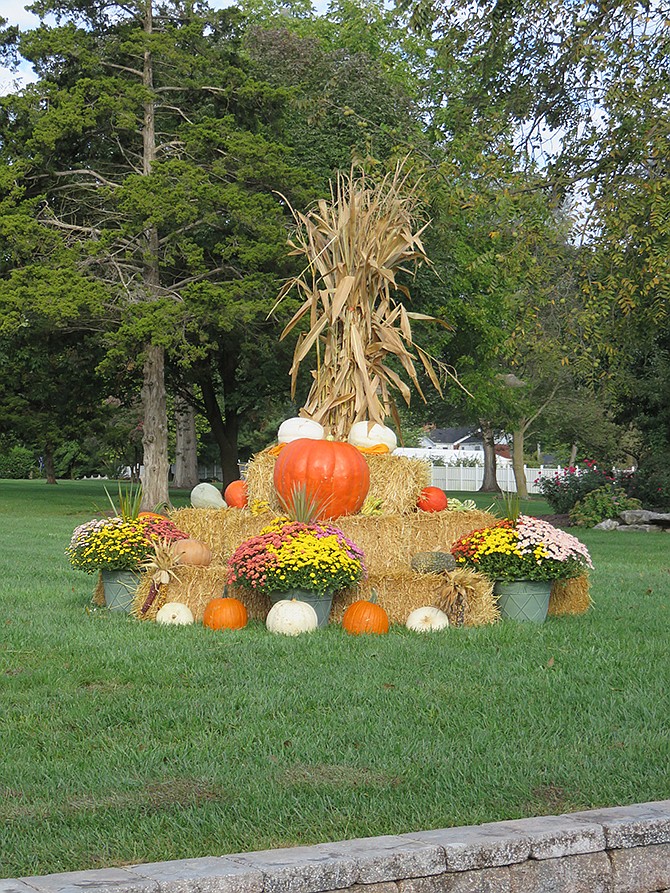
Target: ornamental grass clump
[[525, 548], [289, 555], [116, 544]]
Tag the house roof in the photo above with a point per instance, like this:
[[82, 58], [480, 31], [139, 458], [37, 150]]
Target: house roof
[[455, 435]]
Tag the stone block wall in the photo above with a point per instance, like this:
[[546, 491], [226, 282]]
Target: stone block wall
[[620, 850]]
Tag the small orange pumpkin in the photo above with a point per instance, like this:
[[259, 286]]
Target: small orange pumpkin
[[236, 494], [192, 552], [432, 499], [225, 613], [151, 516], [366, 617]]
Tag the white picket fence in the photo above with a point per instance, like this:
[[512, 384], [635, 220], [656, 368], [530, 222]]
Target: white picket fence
[[461, 477], [447, 477]]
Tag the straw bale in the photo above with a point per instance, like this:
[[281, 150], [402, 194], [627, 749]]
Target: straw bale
[[222, 529], [400, 592], [395, 480], [397, 592], [260, 479], [196, 587], [390, 541], [570, 596]]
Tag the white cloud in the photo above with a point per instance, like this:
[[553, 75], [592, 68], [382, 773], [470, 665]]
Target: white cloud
[[16, 14]]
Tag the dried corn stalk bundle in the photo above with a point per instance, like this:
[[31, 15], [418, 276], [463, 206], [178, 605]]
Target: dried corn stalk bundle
[[99, 592], [466, 597], [355, 244]]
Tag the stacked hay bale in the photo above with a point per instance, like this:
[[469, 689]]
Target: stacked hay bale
[[390, 541]]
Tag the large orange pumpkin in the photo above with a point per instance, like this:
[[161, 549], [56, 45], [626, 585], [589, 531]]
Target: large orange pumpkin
[[365, 617], [236, 494], [192, 552], [225, 613], [332, 473], [432, 499]]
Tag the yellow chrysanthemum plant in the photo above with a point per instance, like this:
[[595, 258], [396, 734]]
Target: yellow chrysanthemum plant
[[118, 543], [523, 548], [292, 555]]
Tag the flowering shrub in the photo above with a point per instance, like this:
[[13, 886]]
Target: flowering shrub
[[114, 544], [650, 483], [525, 549], [293, 555], [567, 487], [605, 502]]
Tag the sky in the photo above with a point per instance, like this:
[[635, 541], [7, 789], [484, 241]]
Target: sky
[[16, 14]]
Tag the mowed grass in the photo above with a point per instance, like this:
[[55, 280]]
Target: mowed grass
[[123, 742]]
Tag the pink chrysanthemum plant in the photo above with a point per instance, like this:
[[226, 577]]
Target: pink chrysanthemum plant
[[288, 555], [523, 548]]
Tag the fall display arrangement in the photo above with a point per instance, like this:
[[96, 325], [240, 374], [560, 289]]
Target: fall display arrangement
[[425, 566], [330, 523]]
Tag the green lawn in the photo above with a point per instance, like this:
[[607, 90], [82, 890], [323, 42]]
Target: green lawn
[[124, 742]]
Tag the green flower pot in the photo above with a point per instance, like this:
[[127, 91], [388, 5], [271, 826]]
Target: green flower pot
[[120, 588], [321, 603], [524, 600]]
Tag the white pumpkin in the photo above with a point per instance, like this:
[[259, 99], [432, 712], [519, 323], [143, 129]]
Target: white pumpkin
[[427, 619], [175, 614], [295, 428], [207, 496], [370, 434], [290, 617]]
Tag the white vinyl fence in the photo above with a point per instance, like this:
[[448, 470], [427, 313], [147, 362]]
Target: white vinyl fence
[[461, 477], [446, 477]]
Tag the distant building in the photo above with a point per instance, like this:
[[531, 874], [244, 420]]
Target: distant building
[[453, 439]]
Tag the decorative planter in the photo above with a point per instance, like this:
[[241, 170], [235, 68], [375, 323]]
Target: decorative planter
[[321, 603], [525, 600], [120, 587]]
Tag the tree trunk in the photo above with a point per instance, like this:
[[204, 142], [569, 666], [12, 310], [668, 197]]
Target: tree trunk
[[154, 439], [518, 463], [49, 468], [225, 432], [186, 450], [490, 482], [155, 490], [573, 455]]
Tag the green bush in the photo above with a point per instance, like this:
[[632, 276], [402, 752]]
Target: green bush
[[605, 502], [17, 462]]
